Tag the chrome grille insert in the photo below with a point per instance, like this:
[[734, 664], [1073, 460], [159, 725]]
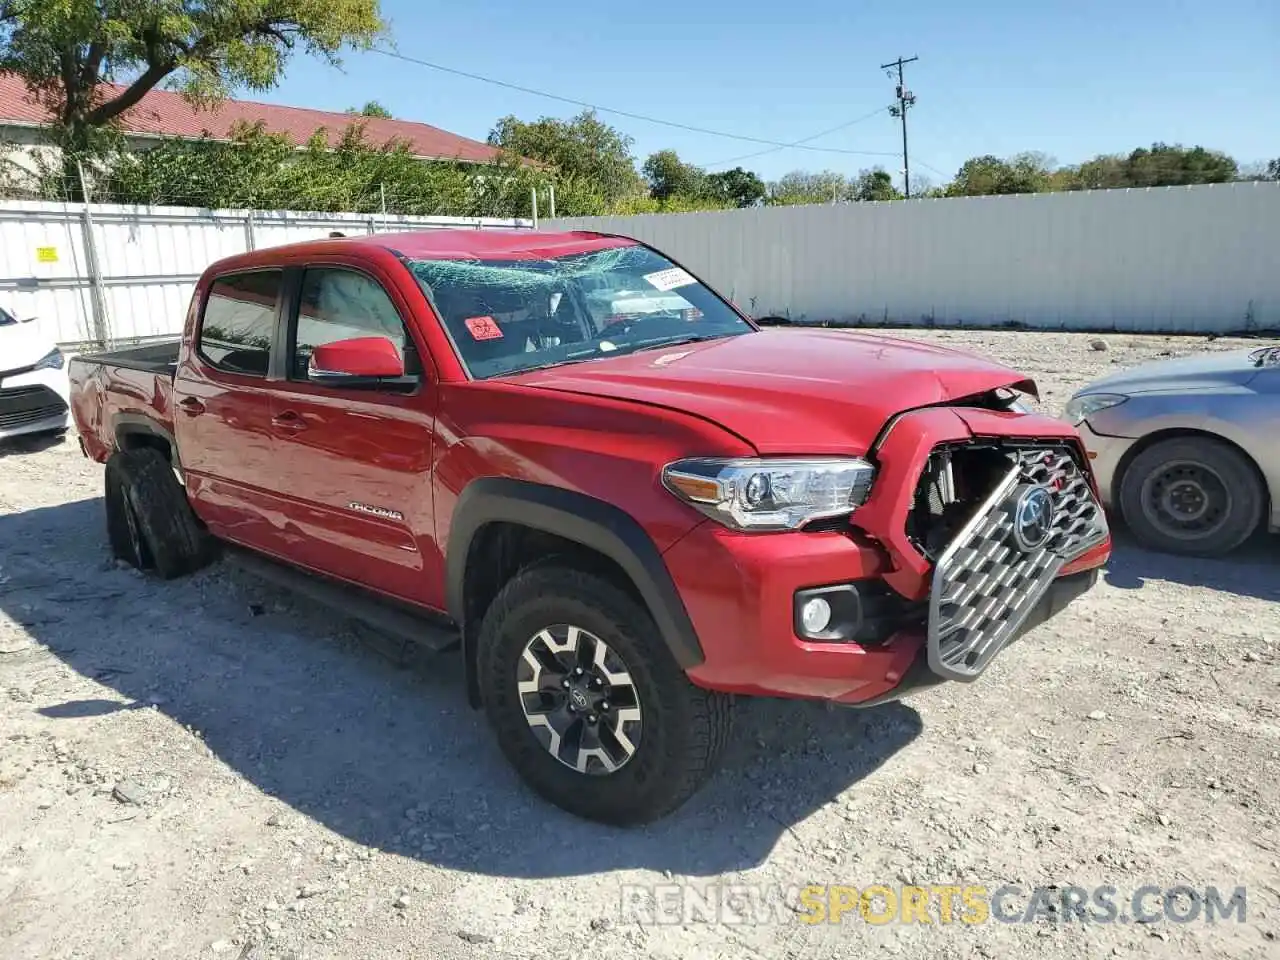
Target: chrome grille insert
[[986, 582]]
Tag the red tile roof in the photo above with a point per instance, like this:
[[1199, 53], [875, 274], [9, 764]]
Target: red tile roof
[[162, 113]]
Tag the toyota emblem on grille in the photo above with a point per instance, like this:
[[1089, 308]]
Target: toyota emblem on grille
[[1033, 519]]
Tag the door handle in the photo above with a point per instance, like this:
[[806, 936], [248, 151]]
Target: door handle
[[288, 420], [191, 406]]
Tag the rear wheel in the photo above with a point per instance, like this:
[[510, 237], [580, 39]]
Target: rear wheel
[[150, 524], [1192, 495], [588, 704]]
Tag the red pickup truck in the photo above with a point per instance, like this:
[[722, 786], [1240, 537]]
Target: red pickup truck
[[622, 499]]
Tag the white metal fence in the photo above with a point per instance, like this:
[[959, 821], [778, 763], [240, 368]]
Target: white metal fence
[[1176, 259], [107, 273]]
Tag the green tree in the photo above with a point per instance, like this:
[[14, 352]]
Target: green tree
[[740, 187], [669, 176], [875, 185], [372, 109], [988, 175], [584, 148], [1166, 166], [262, 170], [1103, 172], [66, 49], [979, 176], [801, 186]]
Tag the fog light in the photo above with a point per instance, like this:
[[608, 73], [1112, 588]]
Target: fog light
[[831, 614], [815, 615]]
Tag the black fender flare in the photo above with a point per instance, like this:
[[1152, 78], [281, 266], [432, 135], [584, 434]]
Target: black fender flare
[[578, 517], [133, 424]]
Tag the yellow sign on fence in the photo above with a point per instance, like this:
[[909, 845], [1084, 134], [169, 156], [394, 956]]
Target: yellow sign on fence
[[47, 254]]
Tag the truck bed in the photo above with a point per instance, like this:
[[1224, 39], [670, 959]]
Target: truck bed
[[122, 391], [159, 357]]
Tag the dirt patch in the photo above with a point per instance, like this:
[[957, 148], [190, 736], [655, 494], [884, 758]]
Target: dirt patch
[[210, 768]]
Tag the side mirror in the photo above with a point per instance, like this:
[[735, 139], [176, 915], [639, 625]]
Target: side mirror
[[357, 362], [772, 321]]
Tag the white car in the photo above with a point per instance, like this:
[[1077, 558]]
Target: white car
[[34, 389]]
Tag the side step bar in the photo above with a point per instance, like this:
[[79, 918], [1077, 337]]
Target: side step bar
[[398, 621]]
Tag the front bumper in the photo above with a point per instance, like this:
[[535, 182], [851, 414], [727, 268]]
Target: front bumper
[[739, 589], [920, 676], [1105, 456], [34, 401]]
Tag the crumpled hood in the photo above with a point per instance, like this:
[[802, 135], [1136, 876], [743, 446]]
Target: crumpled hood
[[788, 391], [1207, 372]]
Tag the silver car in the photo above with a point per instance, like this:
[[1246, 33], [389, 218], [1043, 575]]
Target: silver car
[[1187, 452]]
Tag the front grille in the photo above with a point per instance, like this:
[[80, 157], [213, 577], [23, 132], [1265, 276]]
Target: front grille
[[990, 577], [26, 406]]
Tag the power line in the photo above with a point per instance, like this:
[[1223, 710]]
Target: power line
[[776, 144], [760, 153], [906, 100]]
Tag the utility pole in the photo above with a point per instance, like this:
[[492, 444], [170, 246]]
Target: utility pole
[[906, 100]]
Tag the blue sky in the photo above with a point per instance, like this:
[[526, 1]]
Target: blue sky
[[1069, 79]]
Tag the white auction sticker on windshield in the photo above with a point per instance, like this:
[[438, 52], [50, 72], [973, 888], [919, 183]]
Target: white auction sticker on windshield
[[670, 279]]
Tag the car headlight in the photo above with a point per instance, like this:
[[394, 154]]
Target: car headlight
[[53, 360], [1078, 409], [770, 494]]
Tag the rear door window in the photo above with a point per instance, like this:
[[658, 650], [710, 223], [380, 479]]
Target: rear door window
[[240, 321]]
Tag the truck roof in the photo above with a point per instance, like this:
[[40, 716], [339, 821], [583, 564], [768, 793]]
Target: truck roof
[[448, 244]]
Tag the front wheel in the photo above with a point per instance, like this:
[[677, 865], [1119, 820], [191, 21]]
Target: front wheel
[[588, 704], [1195, 496]]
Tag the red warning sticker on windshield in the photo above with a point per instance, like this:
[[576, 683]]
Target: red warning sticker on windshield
[[483, 328]]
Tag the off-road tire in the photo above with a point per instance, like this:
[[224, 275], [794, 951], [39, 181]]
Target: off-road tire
[[1239, 480], [685, 728], [170, 541]]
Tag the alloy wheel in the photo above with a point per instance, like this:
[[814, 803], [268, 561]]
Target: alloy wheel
[[579, 699]]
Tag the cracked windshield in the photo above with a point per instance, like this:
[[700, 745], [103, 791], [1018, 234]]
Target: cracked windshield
[[509, 316]]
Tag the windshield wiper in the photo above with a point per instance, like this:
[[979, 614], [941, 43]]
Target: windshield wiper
[[670, 342], [580, 357], [1266, 357]]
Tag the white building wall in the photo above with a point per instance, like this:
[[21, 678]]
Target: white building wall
[[1170, 259]]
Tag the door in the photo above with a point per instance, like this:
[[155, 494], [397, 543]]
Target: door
[[222, 415], [1262, 426], [352, 465]]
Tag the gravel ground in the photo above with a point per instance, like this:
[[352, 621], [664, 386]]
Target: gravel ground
[[209, 768]]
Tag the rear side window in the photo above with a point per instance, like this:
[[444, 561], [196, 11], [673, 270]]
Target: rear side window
[[239, 321]]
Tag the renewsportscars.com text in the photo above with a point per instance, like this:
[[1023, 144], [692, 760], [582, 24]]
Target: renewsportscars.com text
[[676, 903]]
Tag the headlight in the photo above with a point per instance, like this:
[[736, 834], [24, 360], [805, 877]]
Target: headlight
[[770, 494], [1080, 408], [53, 360]]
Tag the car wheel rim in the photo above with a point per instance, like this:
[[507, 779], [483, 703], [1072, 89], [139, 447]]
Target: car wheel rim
[[1186, 500], [579, 700]]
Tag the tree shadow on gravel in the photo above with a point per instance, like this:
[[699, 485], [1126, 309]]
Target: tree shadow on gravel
[[1251, 571], [394, 758]]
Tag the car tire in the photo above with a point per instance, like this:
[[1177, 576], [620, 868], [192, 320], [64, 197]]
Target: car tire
[[1195, 496], [678, 731], [150, 524]]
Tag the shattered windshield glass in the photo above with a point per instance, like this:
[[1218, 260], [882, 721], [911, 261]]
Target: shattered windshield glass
[[507, 316]]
